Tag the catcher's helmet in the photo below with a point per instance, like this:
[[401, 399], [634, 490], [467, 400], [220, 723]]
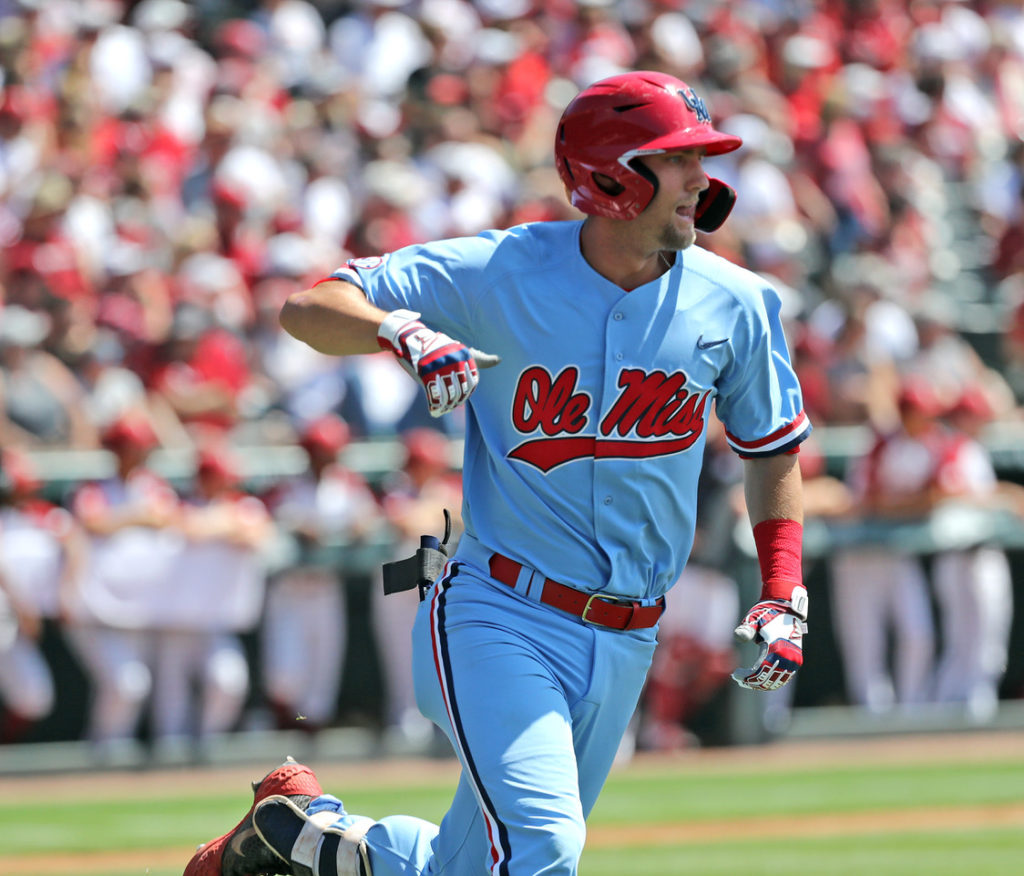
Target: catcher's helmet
[[616, 120]]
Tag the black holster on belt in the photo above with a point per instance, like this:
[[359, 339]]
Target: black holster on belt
[[422, 568]]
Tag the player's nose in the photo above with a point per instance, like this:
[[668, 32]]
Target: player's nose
[[698, 179]]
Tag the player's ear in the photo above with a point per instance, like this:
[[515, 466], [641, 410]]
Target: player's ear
[[607, 185]]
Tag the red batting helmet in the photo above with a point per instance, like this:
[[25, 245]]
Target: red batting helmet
[[619, 119]]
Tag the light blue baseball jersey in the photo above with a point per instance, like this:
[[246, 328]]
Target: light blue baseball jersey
[[583, 451], [584, 445]]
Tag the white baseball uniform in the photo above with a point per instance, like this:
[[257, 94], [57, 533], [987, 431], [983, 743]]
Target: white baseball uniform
[[880, 590], [974, 589]]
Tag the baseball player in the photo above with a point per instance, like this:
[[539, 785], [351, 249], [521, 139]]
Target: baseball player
[[974, 585], [130, 520], [610, 338], [882, 589], [305, 622], [200, 671], [414, 500], [40, 551]]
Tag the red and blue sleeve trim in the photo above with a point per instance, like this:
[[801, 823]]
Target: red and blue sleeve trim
[[344, 273], [784, 440]]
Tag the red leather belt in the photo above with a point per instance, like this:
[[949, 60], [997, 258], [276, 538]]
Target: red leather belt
[[604, 611]]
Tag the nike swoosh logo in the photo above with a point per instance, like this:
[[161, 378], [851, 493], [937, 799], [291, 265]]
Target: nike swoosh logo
[[238, 840], [707, 345]]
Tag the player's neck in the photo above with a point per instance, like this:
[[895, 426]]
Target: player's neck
[[617, 257]]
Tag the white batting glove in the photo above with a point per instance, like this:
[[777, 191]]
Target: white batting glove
[[780, 633], [448, 370]]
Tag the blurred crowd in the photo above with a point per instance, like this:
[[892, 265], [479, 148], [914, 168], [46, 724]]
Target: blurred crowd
[[154, 587], [170, 171]]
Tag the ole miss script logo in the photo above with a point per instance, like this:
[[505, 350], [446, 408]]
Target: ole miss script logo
[[653, 415]]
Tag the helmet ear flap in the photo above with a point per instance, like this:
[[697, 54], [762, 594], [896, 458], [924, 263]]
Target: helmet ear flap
[[644, 171], [714, 205]]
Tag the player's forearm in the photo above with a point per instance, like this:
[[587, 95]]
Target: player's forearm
[[774, 493], [773, 488], [334, 318]]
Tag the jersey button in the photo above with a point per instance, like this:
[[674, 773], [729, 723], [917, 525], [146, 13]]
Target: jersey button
[[618, 357], [619, 315], [607, 500]]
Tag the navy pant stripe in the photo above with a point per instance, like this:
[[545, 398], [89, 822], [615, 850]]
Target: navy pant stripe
[[446, 663]]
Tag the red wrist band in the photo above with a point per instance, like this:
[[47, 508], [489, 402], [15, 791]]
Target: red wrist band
[[779, 545]]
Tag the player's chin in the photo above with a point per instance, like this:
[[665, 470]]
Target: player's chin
[[682, 234]]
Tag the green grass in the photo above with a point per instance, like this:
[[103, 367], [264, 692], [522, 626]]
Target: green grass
[[635, 798], [976, 852], [672, 795]]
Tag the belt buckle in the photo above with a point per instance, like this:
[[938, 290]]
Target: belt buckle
[[611, 601]]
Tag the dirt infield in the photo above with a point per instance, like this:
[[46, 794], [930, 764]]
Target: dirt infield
[[951, 748], [975, 747]]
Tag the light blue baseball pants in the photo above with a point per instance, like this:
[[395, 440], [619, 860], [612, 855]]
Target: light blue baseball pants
[[535, 703]]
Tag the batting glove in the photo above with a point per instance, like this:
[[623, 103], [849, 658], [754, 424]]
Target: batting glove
[[779, 632], [447, 368]]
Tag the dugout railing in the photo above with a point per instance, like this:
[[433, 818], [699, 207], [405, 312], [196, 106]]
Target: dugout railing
[[816, 706]]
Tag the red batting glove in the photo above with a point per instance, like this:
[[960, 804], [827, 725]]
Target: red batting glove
[[780, 632], [446, 368]]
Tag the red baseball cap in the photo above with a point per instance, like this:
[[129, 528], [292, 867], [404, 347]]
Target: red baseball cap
[[329, 432], [130, 430]]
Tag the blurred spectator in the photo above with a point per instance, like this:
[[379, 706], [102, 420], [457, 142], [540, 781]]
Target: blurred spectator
[[305, 620], [880, 589], [825, 496], [23, 135], [948, 361], [112, 391], [295, 31], [861, 380], [766, 217], [414, 501], [201, 673], [137, 298], [381, 401], [694, 658], [41, 258], [974, 586], [40, 399], [202, 372], [810, 354], [1011, 343], [132, 522], [40, 552], [378, 46], [293, 378]]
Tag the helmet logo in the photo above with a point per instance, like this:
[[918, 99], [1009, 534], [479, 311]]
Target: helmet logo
[[695, 104]]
